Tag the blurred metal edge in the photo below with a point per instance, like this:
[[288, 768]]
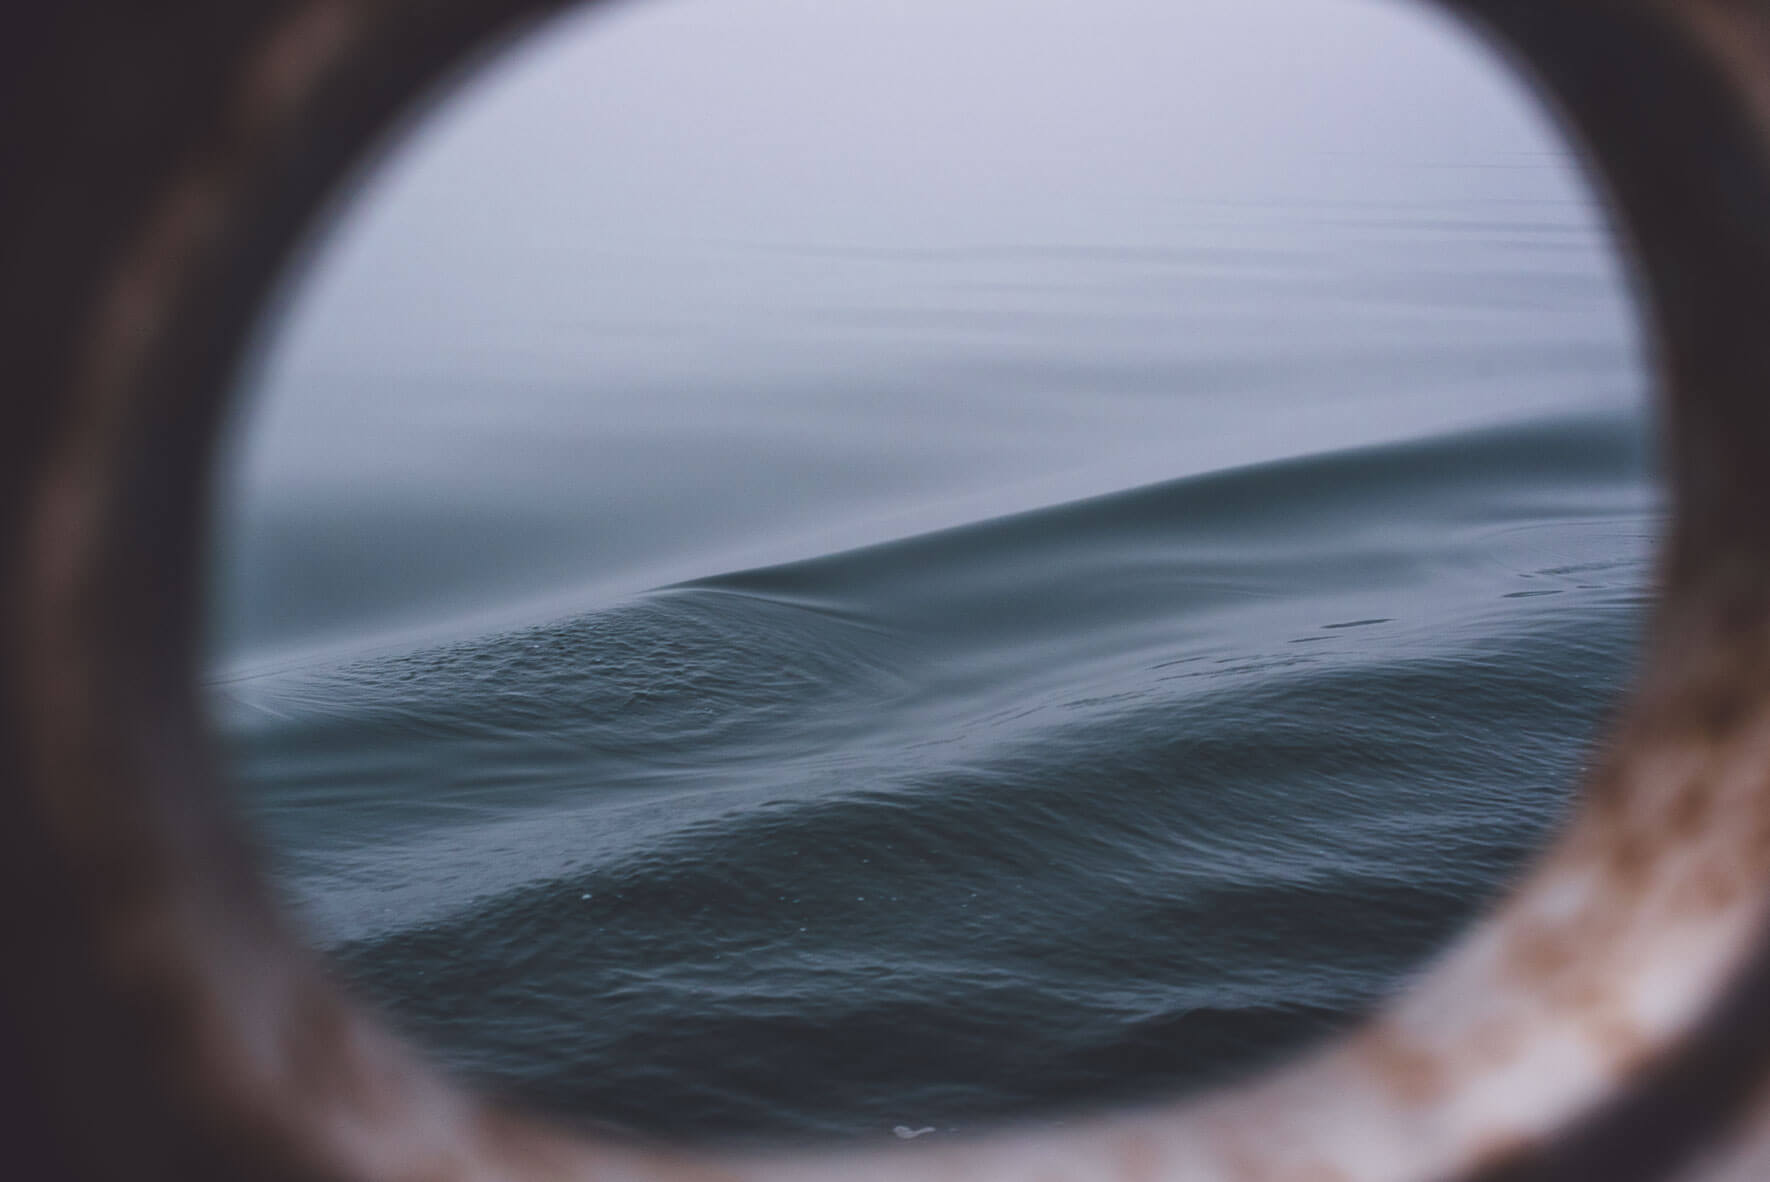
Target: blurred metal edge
[[159, 1018]]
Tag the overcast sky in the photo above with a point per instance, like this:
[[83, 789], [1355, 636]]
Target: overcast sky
[[671, 273], [689, 124], [936, 117]]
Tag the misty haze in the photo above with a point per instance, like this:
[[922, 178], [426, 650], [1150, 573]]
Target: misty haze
[[804, 568]]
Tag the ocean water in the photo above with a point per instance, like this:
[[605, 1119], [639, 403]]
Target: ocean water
[[930, 686]]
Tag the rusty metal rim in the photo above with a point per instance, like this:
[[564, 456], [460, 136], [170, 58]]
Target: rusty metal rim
[[1600, 1022]]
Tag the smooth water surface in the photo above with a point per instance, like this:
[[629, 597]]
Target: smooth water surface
[[788, 679]]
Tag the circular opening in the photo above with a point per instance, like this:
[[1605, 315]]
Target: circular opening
[[807, 571]]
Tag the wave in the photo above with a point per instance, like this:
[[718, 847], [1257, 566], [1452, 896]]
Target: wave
[[1118, 794]]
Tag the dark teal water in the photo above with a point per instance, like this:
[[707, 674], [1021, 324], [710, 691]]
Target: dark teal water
[[949, 683]]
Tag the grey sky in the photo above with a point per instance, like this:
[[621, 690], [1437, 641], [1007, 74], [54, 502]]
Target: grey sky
[[674, 286], [696, 123]]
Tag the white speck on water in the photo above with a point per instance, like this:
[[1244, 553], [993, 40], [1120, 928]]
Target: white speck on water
[[905, 1133]]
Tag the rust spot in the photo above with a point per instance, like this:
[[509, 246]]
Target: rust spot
[[1628, 856], [1496, 1043], [1689, 811], [1496, 1151], [1621, 1041], [317, 1050], [1539, 954], [1138, 1159], [1706, 888], [1714, 711], [1411, 1072], [292, 64]]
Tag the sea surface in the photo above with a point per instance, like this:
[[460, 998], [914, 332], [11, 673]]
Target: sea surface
[[876, 685]]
